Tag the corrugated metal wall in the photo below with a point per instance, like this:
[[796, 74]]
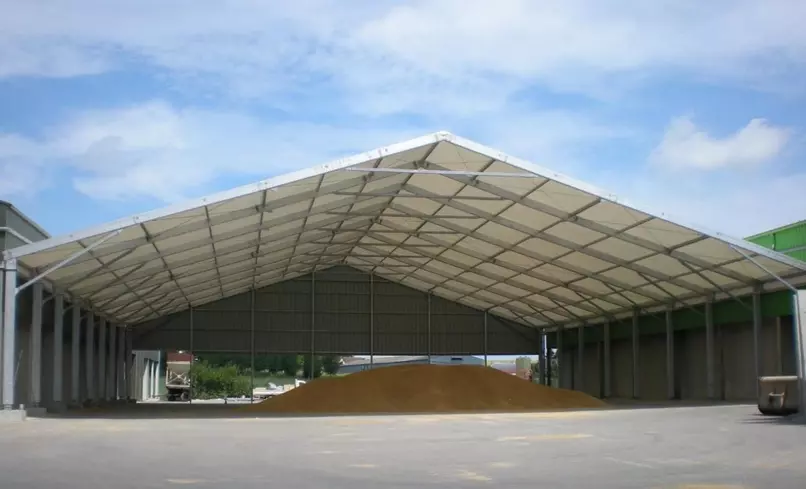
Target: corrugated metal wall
[[788, 239], [341, 321], [735, 375]]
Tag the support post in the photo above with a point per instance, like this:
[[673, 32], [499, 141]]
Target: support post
[[58, 349], [779, 358], [190, 371], [544, 360], [670, 380], [90, 356], [155, 389], [121, 364], [756, 336], [428, 343], [313, 324], [9, 330], [371, 321], [636, 341], [252, 346], [485, 338], [75, 355], [799, 320], [607, 387], [36, 346], [562, 369], [102, 359], [710, 364], [580, 374], [127, 354], [111, 377]]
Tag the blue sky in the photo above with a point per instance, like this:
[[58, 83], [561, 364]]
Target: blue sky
[[113, 108]]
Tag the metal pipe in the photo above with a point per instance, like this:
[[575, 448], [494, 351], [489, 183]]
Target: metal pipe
[[710, 365], [36, 346], [9, 330], [636, 342], [58, 347], [75, 356], [799, 323], [14, 233], [428, 342], [313, 324], [485, 338], [111, 374], [607, 387], [580, 357], [443, 172], [252, 346], [102, 358], [759, 265], [756, 336], [190, 371], [90, 356], [371, 321], [68, 260], [670, 377]]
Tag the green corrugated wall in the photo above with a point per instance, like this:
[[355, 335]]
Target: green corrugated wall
[[790, 240]]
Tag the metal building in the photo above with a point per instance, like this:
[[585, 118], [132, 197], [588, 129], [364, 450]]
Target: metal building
[[434, 246]]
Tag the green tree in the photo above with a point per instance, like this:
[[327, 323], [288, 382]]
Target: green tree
[[214, 382], [330, 364], [310, 363], [290, 365]]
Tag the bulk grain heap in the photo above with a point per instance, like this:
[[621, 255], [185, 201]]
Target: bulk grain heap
[[424, 389]]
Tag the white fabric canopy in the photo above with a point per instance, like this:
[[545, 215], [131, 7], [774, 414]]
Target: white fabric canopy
[[436, 213]]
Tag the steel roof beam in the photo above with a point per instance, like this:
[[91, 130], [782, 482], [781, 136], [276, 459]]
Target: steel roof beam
[[598, 227]]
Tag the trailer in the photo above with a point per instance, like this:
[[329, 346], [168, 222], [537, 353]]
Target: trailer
[[177, 376]]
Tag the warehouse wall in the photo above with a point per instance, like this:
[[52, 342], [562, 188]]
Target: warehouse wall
[[735, 375], [341, 322]]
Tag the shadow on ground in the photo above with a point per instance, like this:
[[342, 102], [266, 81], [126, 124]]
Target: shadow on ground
[[165, 410]]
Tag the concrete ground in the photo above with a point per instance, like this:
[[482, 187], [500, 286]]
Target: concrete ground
[[203, 446]]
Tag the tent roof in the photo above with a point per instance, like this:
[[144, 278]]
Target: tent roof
[[438, 213]]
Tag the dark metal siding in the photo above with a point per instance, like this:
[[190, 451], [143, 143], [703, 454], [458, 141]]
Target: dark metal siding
[[341, 321]]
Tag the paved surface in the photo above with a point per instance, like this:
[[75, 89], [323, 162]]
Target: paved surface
[[692, 447]]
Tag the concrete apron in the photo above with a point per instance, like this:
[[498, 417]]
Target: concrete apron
[[12, 415]]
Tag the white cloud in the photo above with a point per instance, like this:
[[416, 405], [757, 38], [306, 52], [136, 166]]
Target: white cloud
[[686, 146], [421, 56], [156, 150]]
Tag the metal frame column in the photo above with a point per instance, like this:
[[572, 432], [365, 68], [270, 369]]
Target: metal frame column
[[101, 378], [779, 357], [9, 329], [544, 379], [313, 325], [670, 377], [75, 356], [636, 343], [757, 336], [35, 373], [252, 345], [428, 325], [121, 364], [111, 375], [710, 364], [371, 321], [485, 337], [799, 320], [90, 356], [58, 348], [190, 370], [607, 389], [561, 368], [580, 374], [127, 354]]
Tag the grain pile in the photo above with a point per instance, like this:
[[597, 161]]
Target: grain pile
[[423, 388]]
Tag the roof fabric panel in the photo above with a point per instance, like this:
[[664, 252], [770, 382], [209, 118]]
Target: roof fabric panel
[[439, 213]]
